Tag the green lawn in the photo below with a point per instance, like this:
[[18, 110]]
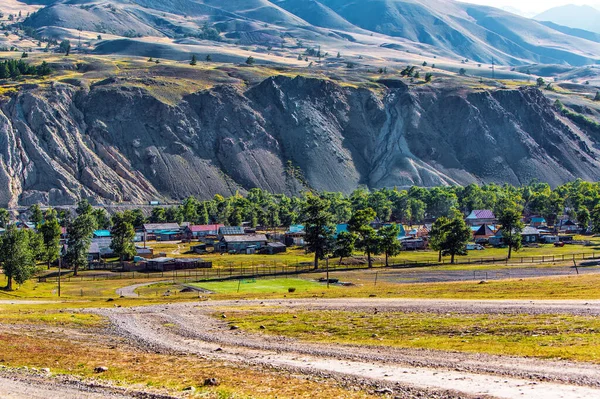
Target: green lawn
[[544, 336], [276, 286]]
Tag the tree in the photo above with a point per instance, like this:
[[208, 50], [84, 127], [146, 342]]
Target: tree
[[194, 60], [123, 235], [437, 236], [65, 47], [389, 243], [540, 82], [250, 60], [208, 58], [4, 217], [24, 55], [102, 219], [428, 77], [36, 244], [344, 245], [158, 215], [190, 209], [456, 234], [597, 98], [51, 233], [83, 207], [15, 256], [583, 217], [44, 69], [368, 241], [137, 218], [37, 216], [318, 225], [80, 233], [462, 71], [595, 217], [512, 226]]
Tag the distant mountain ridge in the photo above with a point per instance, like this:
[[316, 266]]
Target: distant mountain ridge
[[443, 27], [573, 16]]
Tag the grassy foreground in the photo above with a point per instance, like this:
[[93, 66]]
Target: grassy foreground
[[544, 336]]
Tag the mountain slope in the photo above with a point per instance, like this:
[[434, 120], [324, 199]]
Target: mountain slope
[[113, 142], [573, 16], [442, 27]]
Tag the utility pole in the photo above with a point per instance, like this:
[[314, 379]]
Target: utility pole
[[493, 68]]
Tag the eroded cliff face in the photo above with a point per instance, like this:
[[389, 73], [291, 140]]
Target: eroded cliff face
[[115, 142]]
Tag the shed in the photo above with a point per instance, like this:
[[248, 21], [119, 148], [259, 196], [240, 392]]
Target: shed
[[276, 248], [240, 243], [530, 234]]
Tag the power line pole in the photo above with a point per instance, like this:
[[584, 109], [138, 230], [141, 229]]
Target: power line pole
[[493, 68]]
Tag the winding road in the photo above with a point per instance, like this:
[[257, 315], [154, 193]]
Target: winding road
[[443, 374]]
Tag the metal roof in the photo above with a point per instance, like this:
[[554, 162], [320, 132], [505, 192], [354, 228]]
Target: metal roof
[[205, 227], [161, 226], [482, 214], [231, 230], [245, 238]]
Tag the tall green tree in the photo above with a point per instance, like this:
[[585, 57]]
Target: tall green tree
[[595, 218], [344, 245], [83, 207], [437, 236], [456, 234], [4, 217], [50, 232], [158, 215], [123, 236], [368, 240], [36, 214], [318, 226], [80, 233], [583, 217], [389, 243], [102, 219], [36, 244], [512, 226], [15, 256]]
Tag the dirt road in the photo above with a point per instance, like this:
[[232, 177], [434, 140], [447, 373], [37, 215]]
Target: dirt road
[[35, 386], [440, 374]]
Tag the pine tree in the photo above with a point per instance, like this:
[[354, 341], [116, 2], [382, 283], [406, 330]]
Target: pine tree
[[15, 256], [194, 60]]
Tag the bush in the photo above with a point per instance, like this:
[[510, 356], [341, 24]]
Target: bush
[[291, 289]]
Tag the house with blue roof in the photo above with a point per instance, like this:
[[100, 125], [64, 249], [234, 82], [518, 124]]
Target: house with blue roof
[[102, 234]]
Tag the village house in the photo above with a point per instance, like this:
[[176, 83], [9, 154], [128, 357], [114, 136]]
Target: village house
[[482, 233], [480, 217], [295, 236], [538, 222], [567, 226], [530, 235], [231, 231], [247, 243], [202, 231], [162, 231]]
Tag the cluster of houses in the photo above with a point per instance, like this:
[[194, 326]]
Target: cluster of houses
[[215, 238], [484, 225]]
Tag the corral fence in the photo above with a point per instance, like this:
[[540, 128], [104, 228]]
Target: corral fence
[[265, 270]]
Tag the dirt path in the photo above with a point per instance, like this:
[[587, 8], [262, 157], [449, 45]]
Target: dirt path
[[129, 291], [27, 386], [472, 375]]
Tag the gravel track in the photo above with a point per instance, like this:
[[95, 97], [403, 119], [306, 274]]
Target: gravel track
[[438, 374], [28, 385]]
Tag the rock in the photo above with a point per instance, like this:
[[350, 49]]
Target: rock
[[219, 350], [223, 316], [374, 336], [234, 327], [110, 300], [384, 391], [482, 282], [211, 382], [189, 389], [262, 327], [101, 369]]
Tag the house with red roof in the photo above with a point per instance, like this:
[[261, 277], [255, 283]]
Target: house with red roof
[[481, 217], [200, 231]]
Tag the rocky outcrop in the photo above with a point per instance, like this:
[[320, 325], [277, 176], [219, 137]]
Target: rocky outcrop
[[115, 142]]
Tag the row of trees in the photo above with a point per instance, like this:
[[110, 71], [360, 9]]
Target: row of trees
[[14, 69], [577, 199], [22, 249]]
